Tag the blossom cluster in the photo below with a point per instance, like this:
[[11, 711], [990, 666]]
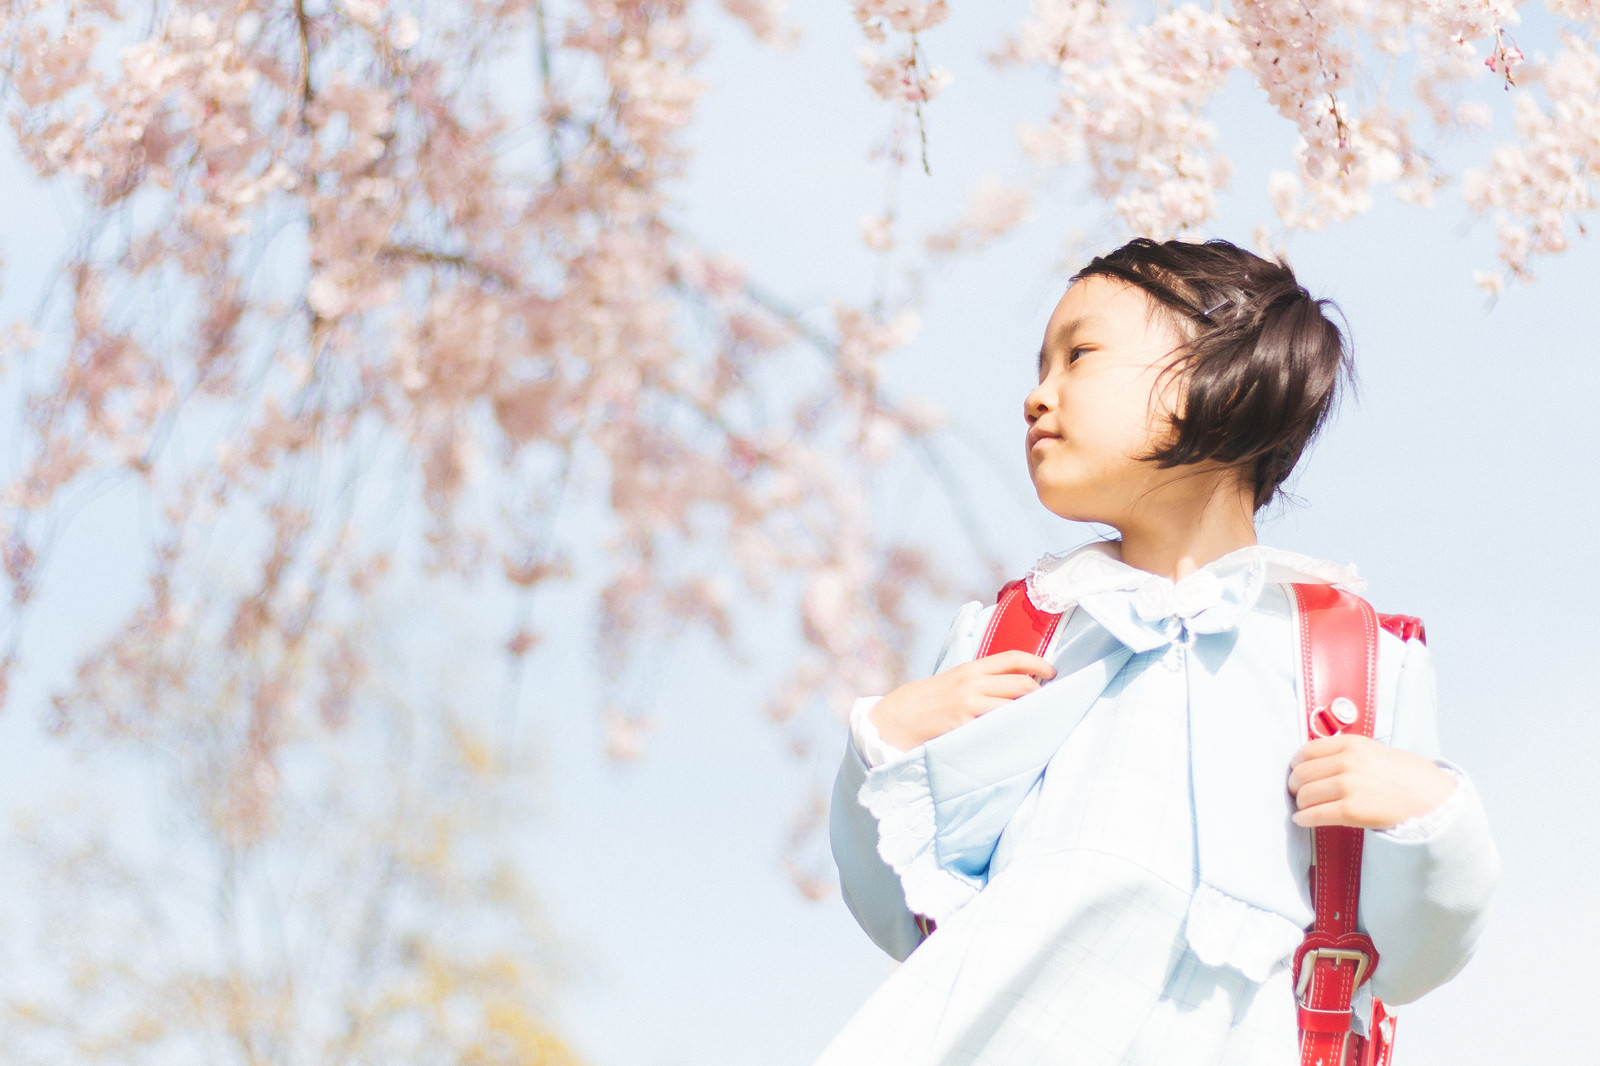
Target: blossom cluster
[[765, 20], [993, 211], [397, 334], [1539, 187], [901, 76], [1138, 85], [1131, 106]]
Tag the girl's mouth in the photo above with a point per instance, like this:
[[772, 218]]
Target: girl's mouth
[[1036, 436]]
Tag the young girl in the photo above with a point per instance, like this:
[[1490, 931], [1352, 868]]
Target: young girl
[[1112, 841]]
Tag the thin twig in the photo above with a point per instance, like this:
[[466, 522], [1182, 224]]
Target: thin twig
[[553, 114], [483, 271], [916, 109], [942, 475], [303, 27], [790, 317]]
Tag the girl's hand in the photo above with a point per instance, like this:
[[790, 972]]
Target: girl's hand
[[1354, 780], [918, 711]]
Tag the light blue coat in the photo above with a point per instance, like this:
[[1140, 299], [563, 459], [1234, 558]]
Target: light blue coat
[[926, 830]]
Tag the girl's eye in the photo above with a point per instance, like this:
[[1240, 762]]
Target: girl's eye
[[1075, 354]]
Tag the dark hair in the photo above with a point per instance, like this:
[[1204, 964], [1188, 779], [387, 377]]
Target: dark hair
[[1261, 361]]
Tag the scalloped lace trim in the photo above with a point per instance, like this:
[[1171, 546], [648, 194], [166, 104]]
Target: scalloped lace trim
[[1223, 930], [898, 796]]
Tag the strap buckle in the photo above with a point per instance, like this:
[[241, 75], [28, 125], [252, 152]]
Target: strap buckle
[[1309, 960]]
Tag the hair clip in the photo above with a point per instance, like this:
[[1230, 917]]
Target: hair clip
[[1208, 312]]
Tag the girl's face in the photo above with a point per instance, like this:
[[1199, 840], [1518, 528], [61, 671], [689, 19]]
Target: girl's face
[[1101, 402]]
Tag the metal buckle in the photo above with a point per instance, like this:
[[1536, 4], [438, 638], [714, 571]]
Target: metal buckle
[[1335, 955]]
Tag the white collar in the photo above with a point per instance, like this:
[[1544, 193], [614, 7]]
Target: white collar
[[1058, 581]]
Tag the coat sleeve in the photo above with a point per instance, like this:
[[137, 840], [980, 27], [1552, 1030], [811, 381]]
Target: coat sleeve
[[1426, 884], [871, 888]]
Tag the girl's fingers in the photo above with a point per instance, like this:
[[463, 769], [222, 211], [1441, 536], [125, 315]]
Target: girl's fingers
[[1316, 770], [1329, 802], [1327, 790], [1329, 756], [1362, 813], [1320, 748], [1017, 662], [1320, 815], [1008, 686]]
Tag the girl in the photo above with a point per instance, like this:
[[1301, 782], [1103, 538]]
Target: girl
[[1102, 838]]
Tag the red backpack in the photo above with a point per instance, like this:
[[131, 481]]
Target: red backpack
[[1338, 667]]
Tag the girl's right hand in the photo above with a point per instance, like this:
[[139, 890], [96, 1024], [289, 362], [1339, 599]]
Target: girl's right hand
[[918, 711]]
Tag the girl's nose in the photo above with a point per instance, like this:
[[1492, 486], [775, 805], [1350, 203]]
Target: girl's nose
[[1035, 404]]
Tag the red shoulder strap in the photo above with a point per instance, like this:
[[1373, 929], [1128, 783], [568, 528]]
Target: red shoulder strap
[[1017, 625], [1339, 668]]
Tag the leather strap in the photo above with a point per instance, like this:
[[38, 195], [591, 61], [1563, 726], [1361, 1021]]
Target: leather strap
[[1017, 625], [1339, 666]]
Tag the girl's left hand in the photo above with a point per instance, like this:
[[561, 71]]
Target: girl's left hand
[[1354, 780]]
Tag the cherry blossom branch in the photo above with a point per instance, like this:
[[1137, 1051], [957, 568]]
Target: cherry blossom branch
[[455, 260], [916, 107], [947, 480], [780, 310], [555, 114], [302, 23]]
